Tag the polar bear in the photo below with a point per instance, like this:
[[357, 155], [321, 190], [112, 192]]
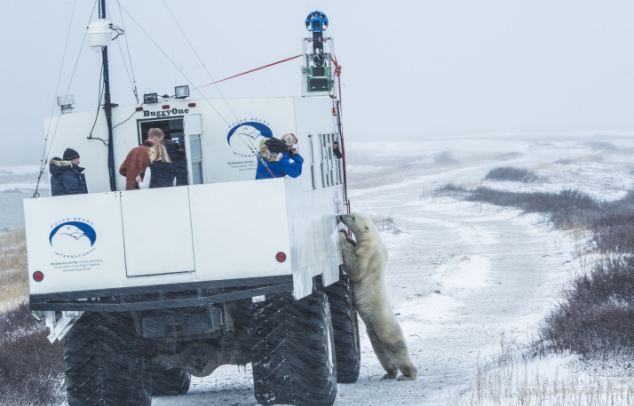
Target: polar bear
[[365, 265]]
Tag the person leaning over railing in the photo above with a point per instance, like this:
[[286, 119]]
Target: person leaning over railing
[[279, 158]]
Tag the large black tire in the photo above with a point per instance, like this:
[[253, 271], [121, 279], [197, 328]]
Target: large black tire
[[170, 382], [346, 328], [294, 361], [103, 362]]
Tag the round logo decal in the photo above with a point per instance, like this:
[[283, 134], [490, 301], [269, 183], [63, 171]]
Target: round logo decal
[[244, 138], [73, 239]]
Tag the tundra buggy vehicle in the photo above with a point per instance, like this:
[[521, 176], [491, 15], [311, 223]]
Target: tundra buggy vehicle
[[148, 287]]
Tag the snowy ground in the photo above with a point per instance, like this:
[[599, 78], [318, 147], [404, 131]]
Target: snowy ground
[[466, 279]]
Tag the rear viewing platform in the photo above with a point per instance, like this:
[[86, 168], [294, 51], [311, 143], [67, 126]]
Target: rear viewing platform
[[221, 225]]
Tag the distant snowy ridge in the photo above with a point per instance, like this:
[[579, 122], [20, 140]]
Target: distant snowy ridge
[[19, 170], [20, 179], [21, 187]]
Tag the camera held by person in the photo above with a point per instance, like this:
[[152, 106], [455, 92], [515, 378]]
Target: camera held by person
[[278, 158]]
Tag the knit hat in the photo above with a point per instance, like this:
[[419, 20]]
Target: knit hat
[[70, 154], [290, 139]]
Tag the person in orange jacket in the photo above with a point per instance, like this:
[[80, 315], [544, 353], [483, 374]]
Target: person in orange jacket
[[139, 158]]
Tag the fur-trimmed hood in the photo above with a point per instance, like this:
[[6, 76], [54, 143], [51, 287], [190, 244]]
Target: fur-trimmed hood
[[66, 178], [58, 165]]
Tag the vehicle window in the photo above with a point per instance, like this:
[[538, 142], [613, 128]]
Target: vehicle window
[[312, 160], [196, 159], [330, 165]]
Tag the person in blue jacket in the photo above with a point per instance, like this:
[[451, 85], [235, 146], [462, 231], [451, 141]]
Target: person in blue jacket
[[279, 158], [67, 177]]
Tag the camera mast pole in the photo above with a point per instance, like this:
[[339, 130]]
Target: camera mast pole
[[317, 22], [107, 103]]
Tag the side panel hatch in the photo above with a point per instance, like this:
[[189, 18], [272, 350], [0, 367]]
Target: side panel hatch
[[158, 232]]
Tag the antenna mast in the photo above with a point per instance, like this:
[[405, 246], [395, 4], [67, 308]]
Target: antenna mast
[[107, 103]]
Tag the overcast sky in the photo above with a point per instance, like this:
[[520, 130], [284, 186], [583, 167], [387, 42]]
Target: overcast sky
[[411, 69]]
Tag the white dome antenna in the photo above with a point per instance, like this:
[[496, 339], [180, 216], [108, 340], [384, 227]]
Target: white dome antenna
[[100, 33]]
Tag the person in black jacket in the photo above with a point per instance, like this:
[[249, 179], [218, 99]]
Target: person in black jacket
[[176, 152], [67, 177], [160, 173]]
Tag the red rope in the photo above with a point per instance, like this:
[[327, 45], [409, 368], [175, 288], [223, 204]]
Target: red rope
[[338, 73], [343, 144], [253, 70]]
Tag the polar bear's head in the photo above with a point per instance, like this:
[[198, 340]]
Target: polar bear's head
[[359, 224]]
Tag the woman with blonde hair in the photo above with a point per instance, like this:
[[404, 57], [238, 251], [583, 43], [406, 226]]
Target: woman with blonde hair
[[160, 173], [278, 158]]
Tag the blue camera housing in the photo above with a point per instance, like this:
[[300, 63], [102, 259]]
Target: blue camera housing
[[317, 22]]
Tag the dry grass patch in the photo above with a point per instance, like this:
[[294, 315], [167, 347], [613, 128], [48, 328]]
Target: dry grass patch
[[14, 284], [544, 382]]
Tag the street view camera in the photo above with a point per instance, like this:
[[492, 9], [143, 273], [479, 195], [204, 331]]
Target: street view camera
[[318, 66], [317, 22]]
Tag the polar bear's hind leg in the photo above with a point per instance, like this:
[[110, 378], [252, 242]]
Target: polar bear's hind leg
[[391, 369], [390, 335]]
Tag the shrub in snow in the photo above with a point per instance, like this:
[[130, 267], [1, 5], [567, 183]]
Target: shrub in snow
[[614, 226], [612, 223], [508, 173], [30, 367], [445, 158], [596, 317], [452, 188], [567, 208]]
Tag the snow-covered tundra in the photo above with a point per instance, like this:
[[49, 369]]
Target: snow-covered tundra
[[467, 280]]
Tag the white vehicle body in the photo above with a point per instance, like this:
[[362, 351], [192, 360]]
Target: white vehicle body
[[223, 230]]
